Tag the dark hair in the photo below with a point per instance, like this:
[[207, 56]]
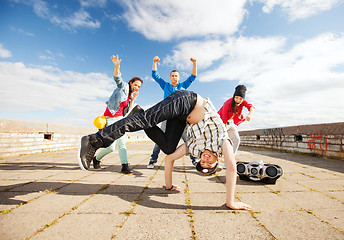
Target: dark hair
[[234, 107], [240, 91], [174, 71], [133, 80], [208, 171]]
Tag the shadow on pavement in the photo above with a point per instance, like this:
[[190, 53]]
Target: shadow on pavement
[[125, 192]]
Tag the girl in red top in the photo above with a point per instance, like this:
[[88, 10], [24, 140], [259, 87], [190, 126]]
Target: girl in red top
[[122, 99], [231, 114]]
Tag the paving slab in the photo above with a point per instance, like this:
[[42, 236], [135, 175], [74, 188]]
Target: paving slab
[[228, 225], [83, 226], [47, 196], [296, 225], [161, 226]]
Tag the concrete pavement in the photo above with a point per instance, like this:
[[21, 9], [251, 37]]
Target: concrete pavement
[[47, 196]]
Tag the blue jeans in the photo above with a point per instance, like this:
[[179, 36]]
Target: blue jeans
[[156, 149], [175, 109]]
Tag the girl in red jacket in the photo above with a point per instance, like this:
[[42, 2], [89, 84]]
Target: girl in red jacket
[[231, 114]]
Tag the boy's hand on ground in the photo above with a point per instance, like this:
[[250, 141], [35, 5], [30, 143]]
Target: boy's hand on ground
[[174, 187], [239, 206]]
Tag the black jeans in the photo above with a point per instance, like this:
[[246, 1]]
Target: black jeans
[[175, 108]]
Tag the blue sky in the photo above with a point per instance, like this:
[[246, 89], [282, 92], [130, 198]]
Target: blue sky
[[55, 64]]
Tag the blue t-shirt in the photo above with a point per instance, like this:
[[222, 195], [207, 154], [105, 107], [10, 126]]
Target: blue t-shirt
[[167, 86]]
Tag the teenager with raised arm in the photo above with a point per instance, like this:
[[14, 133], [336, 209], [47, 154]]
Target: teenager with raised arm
[[121, 100], [168, 88]]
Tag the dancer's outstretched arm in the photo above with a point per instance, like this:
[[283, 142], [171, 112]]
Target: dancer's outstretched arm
[[169, 161]]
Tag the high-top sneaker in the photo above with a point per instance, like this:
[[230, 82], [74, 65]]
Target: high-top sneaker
[[96, 163], [87, 148], [126, 169]]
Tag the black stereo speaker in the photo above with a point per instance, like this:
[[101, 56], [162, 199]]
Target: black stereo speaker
[[258, 171]]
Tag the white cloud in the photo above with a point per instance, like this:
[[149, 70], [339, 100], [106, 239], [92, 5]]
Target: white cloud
[[175, 19], [79, 19], [4, 53], [211, 50], [40, 8], [301, 85], [93, 3], [48, 89], [47, 56], [50, 57], [21, 31], [299, 9], [82, 59], [233, 56]]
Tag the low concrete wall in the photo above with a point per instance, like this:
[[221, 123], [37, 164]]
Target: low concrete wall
[[19, 137], [324, 140]]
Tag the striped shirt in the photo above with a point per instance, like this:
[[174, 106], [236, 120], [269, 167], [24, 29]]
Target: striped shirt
[[207, 134]]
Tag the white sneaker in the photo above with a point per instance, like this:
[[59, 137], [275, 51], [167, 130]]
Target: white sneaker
[[151, 165]]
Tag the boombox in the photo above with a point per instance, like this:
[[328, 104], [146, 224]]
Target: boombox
[[258, 171]]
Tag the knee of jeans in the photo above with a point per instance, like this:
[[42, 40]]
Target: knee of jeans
[[168, 150]]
